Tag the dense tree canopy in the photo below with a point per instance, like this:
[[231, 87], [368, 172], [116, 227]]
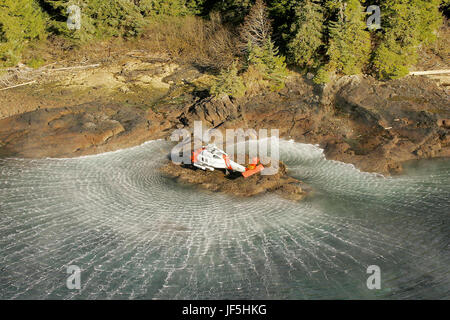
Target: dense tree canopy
[[349, 44], [20, 22], [320, 36], [307, 34], [407, 24]]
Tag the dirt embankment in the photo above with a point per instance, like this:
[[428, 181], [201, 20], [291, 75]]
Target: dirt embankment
[[135, 79], [374, 125]]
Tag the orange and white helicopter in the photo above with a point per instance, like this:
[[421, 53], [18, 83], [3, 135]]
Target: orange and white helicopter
[[210, 158]]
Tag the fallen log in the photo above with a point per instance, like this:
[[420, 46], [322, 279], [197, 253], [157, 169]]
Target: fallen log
[[18, 85], [430, 72]]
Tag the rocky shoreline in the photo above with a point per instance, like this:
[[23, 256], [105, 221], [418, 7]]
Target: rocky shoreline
[[374, 125]]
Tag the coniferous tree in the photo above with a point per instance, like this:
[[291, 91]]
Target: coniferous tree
[[308, 29], [20, 22], [407, 24], [445, 8], [261, 53], [99, 18], [232, 11], [268, 63], [228, 83], [349, 44], [275, 65], [283, 14], [254, 58], [166, 7]]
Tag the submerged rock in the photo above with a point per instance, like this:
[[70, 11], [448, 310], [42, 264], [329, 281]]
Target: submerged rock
[[235, 184]]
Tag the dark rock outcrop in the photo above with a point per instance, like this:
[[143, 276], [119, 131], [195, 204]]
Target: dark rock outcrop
[[391, 122], [76, 131], [279, 183], [213, 112]]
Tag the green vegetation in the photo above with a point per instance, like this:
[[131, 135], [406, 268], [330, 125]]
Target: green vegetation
[[324, 37], [269, 65], [349, 44], [260, 53], [322, 75], [228, 83], [99, 18], [165, 7], [308, 29], [408, 25], [35, 62], [263, 66], [21, 21]]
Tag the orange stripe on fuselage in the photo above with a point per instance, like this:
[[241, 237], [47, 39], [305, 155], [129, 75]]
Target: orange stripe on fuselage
[[227, 162], [195, 155]]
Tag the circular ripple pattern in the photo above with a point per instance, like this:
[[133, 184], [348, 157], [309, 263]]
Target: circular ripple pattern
[[136, 234]]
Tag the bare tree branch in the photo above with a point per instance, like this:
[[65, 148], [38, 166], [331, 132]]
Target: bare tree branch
[[257, 26]]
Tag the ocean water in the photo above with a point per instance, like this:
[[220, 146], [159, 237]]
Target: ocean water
[[136, 234]]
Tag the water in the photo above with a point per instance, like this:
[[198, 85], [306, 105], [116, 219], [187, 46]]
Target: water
[[138, 235]]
